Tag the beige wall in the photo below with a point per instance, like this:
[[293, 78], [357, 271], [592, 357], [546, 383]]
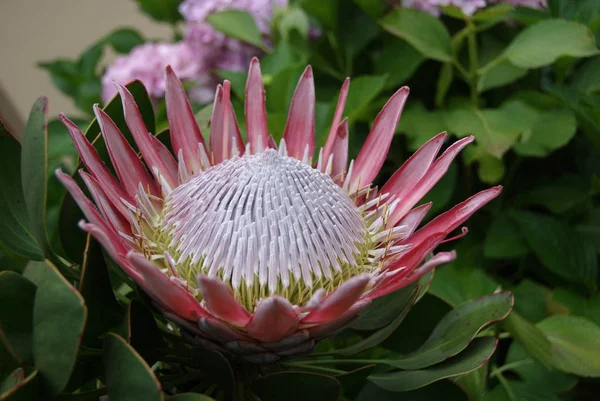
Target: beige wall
[[36, 30]]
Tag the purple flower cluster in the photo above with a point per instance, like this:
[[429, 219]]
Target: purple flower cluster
[[194, 59], [468, 7]]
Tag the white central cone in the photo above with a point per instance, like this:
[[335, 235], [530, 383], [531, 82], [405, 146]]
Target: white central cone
[[264, 219]]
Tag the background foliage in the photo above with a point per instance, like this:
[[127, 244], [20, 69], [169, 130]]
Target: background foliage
[[525, 82]]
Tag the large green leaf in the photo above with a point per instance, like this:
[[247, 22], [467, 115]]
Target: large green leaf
[[34, 170], [352, 382], [59, 316], [456, 330], [531, 337], [587, 78], [14, 224], [496, 130], [472, 358], [460, 282], [363, 91], [577, 304], [560, 248], [141, 331], [17, 295], [534, 373], [128, 377], [504, 239], [398, 60], [518, 391], [237, 24], [552, 129], [123, 40], [575, 343], [380, 335], [420, 124], [423, 31], [543, 43], [161, 10], [383, 310]]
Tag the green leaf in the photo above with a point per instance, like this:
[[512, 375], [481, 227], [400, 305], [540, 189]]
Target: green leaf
[[123, 40], [352, 382], [577, 304], [531, 337], [383, 310], [17, 295], [517, 391], [95, 288], [460, 281], [59, 316], [553, 129], [420, 124], [560, 196], [380, 335], [25, 389], [65, 75], [500, 75], [444, 82], [546, 41], [530, 300], [587, 77], [363, 91], [474, 384], [398, 60], [34, 170], [297, 386], [472, 358], [456, 330], [128, 377], [423, 31], [504, 239], [237, 24], [293, 20], [560, 248], [161, 10], [575, 343], [238, 81], [534, 373], [14, 222], [496, 130], [190, 397]]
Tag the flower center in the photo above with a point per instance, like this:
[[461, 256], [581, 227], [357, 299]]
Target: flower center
[[266, 224]]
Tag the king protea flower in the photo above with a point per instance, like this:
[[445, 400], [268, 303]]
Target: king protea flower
[[254, 249]]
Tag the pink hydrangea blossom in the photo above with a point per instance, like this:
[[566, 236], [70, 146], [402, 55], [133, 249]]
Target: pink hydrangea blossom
[[468, 7], [147, 63], [261, 10]]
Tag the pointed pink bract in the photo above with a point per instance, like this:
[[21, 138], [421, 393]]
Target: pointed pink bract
[[273, 319], [335, 124], [220, 301], [375, 149], [300, 126], [185, 133], [255, 109]]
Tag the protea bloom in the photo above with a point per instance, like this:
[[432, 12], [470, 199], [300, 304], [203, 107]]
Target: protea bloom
[[254, 249]]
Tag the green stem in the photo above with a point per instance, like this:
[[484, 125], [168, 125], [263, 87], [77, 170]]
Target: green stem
[[473, 60], [510, 366], [506, 386], [318, 368], [328, 361]]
